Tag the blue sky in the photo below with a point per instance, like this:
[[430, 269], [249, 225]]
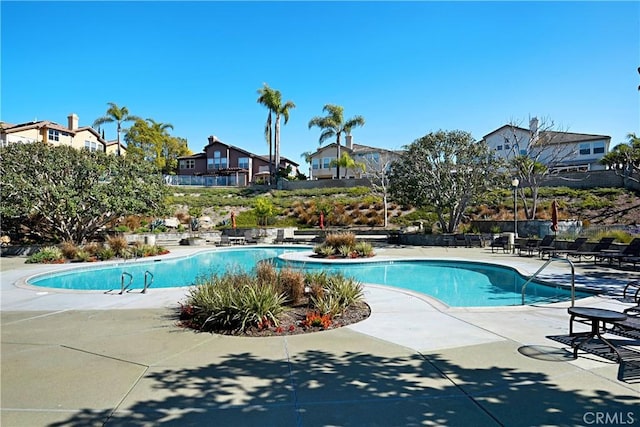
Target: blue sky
[[408, 68]]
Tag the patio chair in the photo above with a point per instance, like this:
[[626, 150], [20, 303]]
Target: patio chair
[[603, 244], [529, 247], [546, 245], [500, 242], [631, 252], [279, 236], [629, 328], [572, 247], [250, 237]]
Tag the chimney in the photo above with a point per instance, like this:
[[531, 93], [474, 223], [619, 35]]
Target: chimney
[[349, 141], [213, 139], [533, 126], [73, 121]]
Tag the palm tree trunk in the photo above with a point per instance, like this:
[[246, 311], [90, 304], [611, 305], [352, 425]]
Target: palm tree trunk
[[277, 145], [338, 156]]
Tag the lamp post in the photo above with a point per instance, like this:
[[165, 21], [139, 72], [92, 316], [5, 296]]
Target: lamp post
[[514, 184]]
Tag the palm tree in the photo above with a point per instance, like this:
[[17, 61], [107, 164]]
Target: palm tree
[[118, 115], [162, 146], [333, 124], [272, 99], [267, 98], [281, 110]]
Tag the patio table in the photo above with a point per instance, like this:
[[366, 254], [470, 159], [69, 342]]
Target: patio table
[[597, 316]]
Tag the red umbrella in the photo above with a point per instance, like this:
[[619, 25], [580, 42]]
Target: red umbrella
[[233, 220], [554, 216], [322, 220]]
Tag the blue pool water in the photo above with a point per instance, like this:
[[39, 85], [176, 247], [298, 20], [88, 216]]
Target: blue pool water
[[456, 283]]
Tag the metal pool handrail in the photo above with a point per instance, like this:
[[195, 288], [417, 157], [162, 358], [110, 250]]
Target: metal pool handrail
[[573, 277]]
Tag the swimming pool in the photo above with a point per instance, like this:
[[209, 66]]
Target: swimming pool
[[456, 283]]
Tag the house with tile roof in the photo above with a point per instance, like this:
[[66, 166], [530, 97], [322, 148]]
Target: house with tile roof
[[321, 159], [227, 165], [48, 132], [560, 151]]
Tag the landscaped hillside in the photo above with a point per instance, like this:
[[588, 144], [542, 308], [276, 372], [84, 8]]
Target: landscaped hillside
[[358, 207]]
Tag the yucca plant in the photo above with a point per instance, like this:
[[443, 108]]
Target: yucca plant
[[328, 304], [260, 305], [347, 291], [344, 250], [363, 249]]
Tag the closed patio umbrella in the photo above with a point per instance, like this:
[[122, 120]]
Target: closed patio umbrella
[[554, 216], [321, 220]]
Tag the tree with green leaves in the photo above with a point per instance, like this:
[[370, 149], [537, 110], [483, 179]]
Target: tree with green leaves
[[150, 141], [334, 124], [117, 115], [624, 159], [63, 193], [444, 171]]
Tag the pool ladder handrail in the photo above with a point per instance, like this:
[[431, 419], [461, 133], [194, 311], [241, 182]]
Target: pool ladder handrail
[[122, 286], [573, 277], [146, 274]]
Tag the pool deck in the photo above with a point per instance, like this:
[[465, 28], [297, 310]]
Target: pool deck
[[79, 359]]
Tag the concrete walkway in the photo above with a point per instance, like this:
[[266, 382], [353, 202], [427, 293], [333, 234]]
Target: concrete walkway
[[82, 359]]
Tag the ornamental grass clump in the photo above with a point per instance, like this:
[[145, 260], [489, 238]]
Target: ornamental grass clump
[[234, 301]]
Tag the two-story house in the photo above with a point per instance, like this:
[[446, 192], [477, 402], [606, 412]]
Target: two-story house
[[227, 165], [48, 132], [560, 151], [321, 160]]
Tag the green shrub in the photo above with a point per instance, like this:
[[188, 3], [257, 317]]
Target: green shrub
[[47, 254], [363, 249], [234, 301], [105, 254], [83, 256]]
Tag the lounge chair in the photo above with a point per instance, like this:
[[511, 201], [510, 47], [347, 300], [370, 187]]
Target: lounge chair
[[630, 252], [500, 242], [279, 236], [250, 237], [602, 245], [629, 328], [546, 245], [572, 247], [535, 246]]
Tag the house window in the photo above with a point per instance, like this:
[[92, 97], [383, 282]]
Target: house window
[[91, 145], [585, 149], [499, 148], [326, 162], [315, 164], [187, 164], [219, 162], [598, 147], [523, 152], [54, 135], [507, 146], [243, 162]]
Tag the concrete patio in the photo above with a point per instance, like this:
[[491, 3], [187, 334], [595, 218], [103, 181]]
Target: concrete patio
[[78, 359]]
